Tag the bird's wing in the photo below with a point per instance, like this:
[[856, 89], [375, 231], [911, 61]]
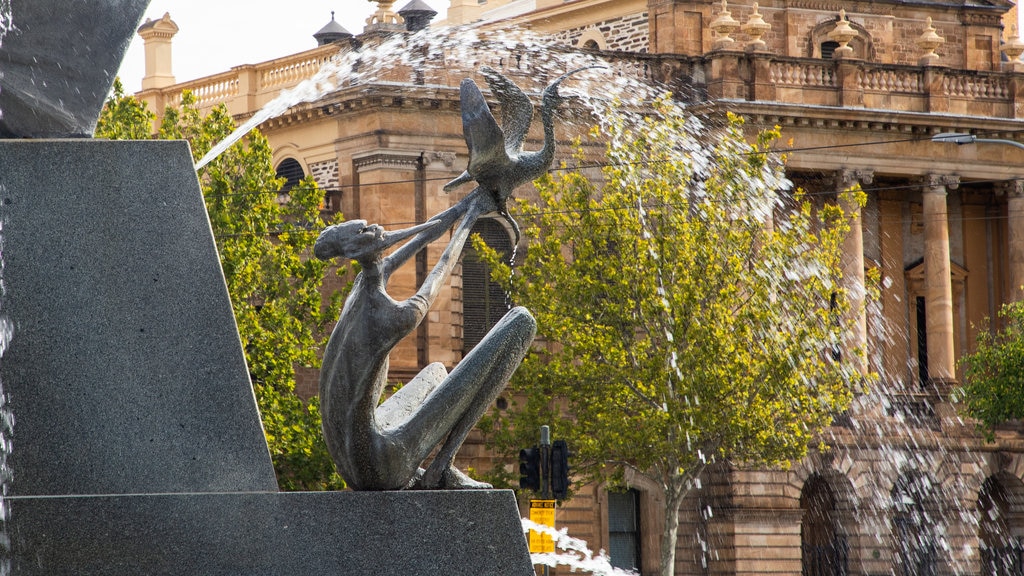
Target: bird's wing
[[483, 136], [516, 109]]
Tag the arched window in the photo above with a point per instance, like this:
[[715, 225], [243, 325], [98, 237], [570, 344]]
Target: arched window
[[624, 529], [915, 526], [824, 549], [484, 301], [828, 49], [290, 170], [1000, 505]]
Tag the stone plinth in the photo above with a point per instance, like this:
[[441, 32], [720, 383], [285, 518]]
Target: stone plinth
[[138, 447], [473, 533], [125, 372]]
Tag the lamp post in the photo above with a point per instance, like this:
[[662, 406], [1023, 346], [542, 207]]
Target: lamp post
[[963, 138]]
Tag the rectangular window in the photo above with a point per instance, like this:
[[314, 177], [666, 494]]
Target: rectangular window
[[624, 529]]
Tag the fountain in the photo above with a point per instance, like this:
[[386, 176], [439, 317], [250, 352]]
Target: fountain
[[138, 448]]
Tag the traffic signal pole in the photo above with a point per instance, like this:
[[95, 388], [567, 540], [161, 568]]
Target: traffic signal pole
[[545, 462], [544, 469], [545, 472]]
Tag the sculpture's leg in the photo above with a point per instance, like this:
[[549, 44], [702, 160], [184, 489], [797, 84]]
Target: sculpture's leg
[[476, 383], [404, 403]]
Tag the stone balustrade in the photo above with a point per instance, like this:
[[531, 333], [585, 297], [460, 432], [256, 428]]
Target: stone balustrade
[[728, 74], [244, 88]]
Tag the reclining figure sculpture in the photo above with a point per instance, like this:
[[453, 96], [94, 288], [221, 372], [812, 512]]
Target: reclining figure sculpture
[[380, 446]]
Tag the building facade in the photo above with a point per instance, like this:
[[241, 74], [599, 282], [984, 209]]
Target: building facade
[[860, 89]]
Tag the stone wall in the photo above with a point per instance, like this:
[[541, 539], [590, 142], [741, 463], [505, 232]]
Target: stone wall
[[629, 33]]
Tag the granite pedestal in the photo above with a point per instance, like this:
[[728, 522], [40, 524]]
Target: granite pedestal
[[137, 446]]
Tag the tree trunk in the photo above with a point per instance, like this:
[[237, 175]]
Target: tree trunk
[[674, 493]]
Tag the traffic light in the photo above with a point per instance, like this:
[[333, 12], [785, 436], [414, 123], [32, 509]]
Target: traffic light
[[529, 469], [559, 470]]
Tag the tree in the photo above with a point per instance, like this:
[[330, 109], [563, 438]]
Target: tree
[[690, 311], [993, 389], [263, 237]]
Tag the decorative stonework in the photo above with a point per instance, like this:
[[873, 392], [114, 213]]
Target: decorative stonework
[[326, 174], [446, 158], [928, 42], [755, 28], [943, 181], [1013, 47], [627, 34], [842, 34], [723, 26], [386, 161], [846, 178], [384, 19]]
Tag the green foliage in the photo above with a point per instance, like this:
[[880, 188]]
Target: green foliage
[[263, 237], [688, 315], [124, 117], [993, 390]]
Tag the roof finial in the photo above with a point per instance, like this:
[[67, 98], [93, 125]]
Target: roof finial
[[332, 14]]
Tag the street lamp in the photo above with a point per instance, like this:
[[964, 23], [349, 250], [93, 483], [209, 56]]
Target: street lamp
[[962, 138]]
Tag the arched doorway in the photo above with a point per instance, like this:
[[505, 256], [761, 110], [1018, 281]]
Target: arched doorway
[[1000, 524], [824, 548], [915, 525]]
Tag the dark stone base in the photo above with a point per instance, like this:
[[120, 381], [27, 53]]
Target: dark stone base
[[472, 533]]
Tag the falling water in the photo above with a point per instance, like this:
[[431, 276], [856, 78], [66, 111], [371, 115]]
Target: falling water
[[574, 553], [440, 58], [889, 436], [6, 332]]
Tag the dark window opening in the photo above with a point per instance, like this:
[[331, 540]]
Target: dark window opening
[[917, 552], [824, 549], [292, 172], [922, 342], [1001, 553], [624, 529], [828, 49], [484, 301]]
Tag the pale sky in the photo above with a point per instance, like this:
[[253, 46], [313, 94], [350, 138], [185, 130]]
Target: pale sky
[[218, 34]]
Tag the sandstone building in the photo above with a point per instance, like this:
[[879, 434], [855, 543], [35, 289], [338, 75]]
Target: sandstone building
[[860, 88]]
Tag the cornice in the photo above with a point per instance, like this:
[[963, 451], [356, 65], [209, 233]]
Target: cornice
[[368, 98], [386, 160], [867, 119]]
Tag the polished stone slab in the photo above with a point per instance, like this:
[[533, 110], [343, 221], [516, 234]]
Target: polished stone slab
[[58, 60], [465, 533], [125, 372]]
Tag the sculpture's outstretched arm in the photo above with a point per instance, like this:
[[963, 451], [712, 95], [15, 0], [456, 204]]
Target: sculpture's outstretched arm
[[479, 203], [444, 221]]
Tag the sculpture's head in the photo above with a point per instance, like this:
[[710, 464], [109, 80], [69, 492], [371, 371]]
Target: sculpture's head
[[550, 98], [357, 240]]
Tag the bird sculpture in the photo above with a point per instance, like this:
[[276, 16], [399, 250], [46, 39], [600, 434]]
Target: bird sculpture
[[497, 161]]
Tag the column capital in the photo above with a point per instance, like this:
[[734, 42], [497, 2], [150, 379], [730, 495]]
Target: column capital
[[1012, 188], [945, 181], [846, 178]]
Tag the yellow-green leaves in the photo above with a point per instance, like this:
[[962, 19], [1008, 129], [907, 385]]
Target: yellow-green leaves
[[688, 303]]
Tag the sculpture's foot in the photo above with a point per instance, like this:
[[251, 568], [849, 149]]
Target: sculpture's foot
[[452, 479], [455, 479]]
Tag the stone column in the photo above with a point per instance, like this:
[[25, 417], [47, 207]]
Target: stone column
[[1015, 213], [856, 341], [938, 285]]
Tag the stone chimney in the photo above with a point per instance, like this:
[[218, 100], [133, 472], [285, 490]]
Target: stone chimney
[[156, 36], [332, 32], [417, 15]]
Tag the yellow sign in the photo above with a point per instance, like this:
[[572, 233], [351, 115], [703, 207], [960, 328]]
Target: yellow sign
[[542, 512]]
